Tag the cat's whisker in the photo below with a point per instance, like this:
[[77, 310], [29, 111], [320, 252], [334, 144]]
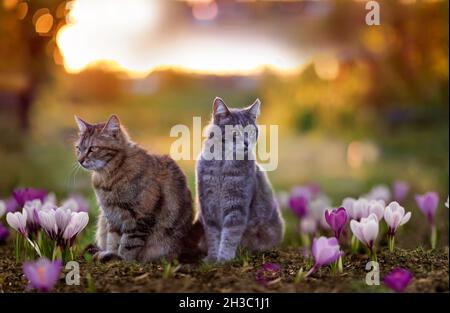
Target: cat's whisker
[[75, 175], [73, 172]]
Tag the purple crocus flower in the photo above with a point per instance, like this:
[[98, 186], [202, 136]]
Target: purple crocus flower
[[398, 279], [11, 204], [337, 219], [299, 205], [401, 189], [22, 195], [42, 274], [428, 203], [4, 233], [314, 189], [268, 273], [325, 251]]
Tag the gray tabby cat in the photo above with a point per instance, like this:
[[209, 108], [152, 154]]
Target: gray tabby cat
[[237, 206]]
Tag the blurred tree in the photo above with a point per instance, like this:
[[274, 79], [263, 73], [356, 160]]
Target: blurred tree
[[28, 30]]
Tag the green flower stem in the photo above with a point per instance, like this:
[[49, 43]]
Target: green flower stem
[[34, 245], [433, 236], [391, 240], [340, 265], [373, 254], [55, 249], [354, 243], [306, 241]]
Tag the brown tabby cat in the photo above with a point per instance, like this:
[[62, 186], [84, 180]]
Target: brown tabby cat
[[145, 204]]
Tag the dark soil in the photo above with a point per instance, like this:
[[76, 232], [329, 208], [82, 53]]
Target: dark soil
[[430, 270]]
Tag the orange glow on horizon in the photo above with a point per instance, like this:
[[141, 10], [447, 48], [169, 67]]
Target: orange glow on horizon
[[107, 32]]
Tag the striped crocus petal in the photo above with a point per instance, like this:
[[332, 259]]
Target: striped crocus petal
[[18, 221], [48, 222], [62, 217], [78, 222]]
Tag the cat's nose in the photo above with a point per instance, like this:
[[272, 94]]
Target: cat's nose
[[81, 161]]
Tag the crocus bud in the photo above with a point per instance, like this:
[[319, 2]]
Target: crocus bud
[[32, 208], [377, 207], [325, 251], [299, 205], [18, 221], [336, 219], [317, 208], [308, 225], [394, 215], [358, 209], [428, 203], [62, 218], [366, 230], [77, 223], [398, 279], [401, 189], [268, 273], [380, 192], [48, 222]]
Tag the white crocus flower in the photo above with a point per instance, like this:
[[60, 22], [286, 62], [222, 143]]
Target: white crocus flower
[[317, 208], [308, 225], [62, 217], [347, 203], [18, 221], [356, 209], [50, 199], [377, 207], [48, 222], [395, 216], [77, 223], [71, 205], [32, 208], [366, 230], [380, 192], [283, 199]]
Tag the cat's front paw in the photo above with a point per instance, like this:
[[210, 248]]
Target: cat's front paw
[[106, 256]]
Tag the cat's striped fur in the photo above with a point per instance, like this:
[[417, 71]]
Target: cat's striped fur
[[145, 205]]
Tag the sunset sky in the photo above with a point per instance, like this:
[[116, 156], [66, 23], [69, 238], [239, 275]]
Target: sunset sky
[[151, 34]]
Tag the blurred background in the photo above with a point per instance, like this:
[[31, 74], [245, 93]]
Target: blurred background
[[356, 105]]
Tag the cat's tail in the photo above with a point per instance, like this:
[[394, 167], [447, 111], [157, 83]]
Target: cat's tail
[[192, 251]]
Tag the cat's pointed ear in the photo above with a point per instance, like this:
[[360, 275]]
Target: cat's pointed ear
[[112, 125], [219, 107], [255, 108], [82, 125]]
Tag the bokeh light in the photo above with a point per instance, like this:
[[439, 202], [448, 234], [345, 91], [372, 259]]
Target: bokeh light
[[44, 23]]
